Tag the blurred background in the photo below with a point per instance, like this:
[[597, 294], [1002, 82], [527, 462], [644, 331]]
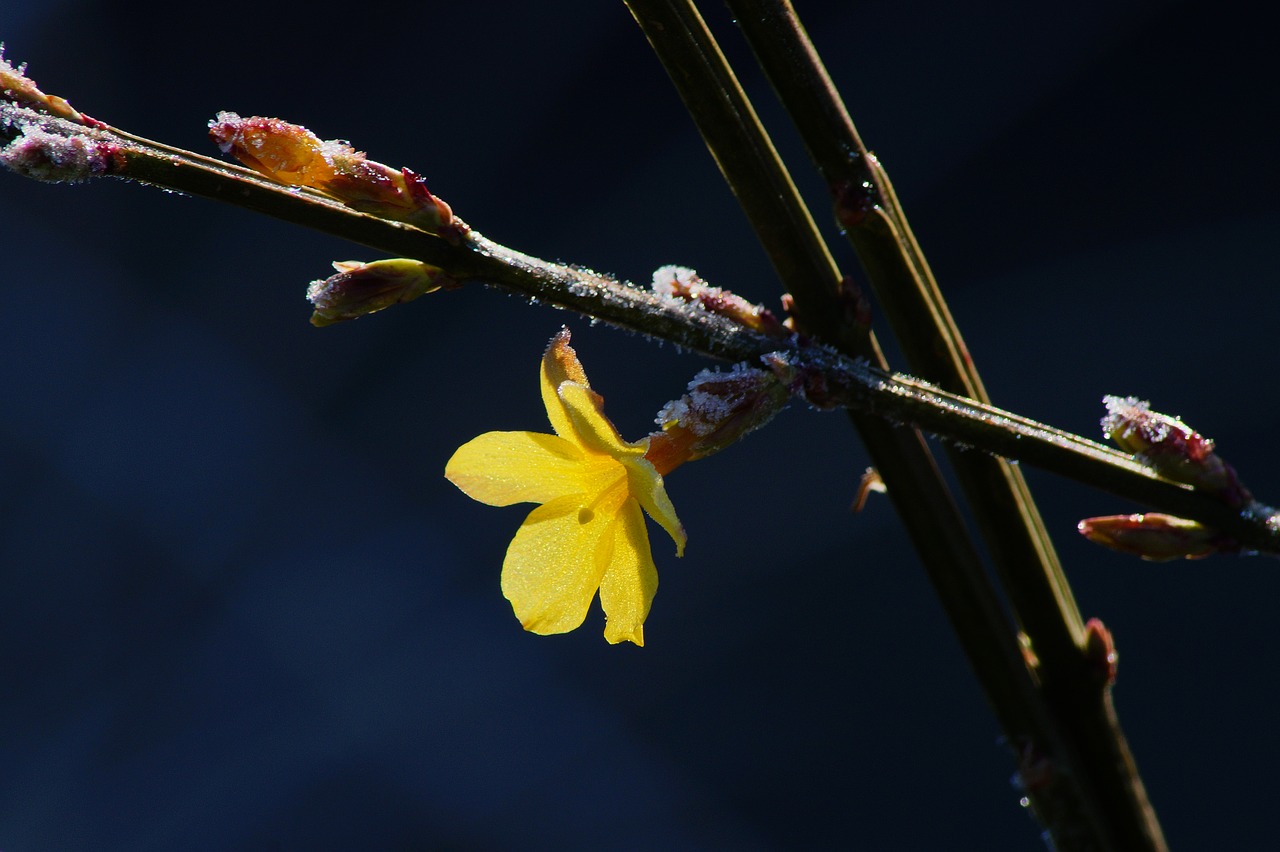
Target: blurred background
[[241, 608]]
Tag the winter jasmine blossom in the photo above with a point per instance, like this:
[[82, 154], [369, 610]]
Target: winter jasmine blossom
[[589, 532]]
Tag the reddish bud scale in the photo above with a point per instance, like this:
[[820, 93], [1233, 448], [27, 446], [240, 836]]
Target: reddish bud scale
[[282, 151], [17, 87], [853, 303], [1156, 537], [870, 483], [1100, 651], [1029, 657], [812, 385], [720, 409], [854, 201], [291, 154], [57, 158], [669, 449], [1171, 447], [365, 288], [678, 282]]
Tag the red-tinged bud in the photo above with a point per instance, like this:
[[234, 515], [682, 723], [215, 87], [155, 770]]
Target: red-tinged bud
[[853, 303], [17, 87], [681, 283], [720, 409], [1171, 447], [284, 152], [1156, 537], [1029, 657], [1137, 429], [398, 194], [855, 199], [292, 154], [871, 482], [1100, 651], [364, 288], [788, 307], [58, 158]]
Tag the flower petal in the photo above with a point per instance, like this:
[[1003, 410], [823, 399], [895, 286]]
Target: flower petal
[[551, 572], [646, 485], [594, 432], [631, 580], [560, 364], [501, 468]]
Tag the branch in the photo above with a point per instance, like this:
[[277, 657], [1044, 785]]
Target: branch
[[1024, 556], [54, 148], [855, 384]]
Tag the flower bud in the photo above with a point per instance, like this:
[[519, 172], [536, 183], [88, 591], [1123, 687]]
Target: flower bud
[[17, 87], [719, 409], [363, 288], [290, 153], [284, 152], [58, 158], [870, 483], [678, 282], [1171, 447], [1137, 429], [1155, 537], [1100, 651]]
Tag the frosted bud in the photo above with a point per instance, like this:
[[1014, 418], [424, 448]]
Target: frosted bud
[[59, 158], [1155, 537], [364, 288], [1171, 447], [719, 409], [1137, 429], [284, 152], [17, 87], [683, 284], [290, 153]]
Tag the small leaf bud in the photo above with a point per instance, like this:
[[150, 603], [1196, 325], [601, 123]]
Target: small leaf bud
[[1155, 537], [683, 284], [17, 87], [1100, 651], [364, 288], [870, 483], [1171, 447]]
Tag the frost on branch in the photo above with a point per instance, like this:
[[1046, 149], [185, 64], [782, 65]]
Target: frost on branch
[[57, 158], [680, 283]]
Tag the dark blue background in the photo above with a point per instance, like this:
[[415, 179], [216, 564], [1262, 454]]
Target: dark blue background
[[240, 607]]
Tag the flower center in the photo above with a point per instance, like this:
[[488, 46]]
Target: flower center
[[604, 493]]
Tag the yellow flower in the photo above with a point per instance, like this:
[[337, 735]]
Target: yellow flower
[[589, 533]]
